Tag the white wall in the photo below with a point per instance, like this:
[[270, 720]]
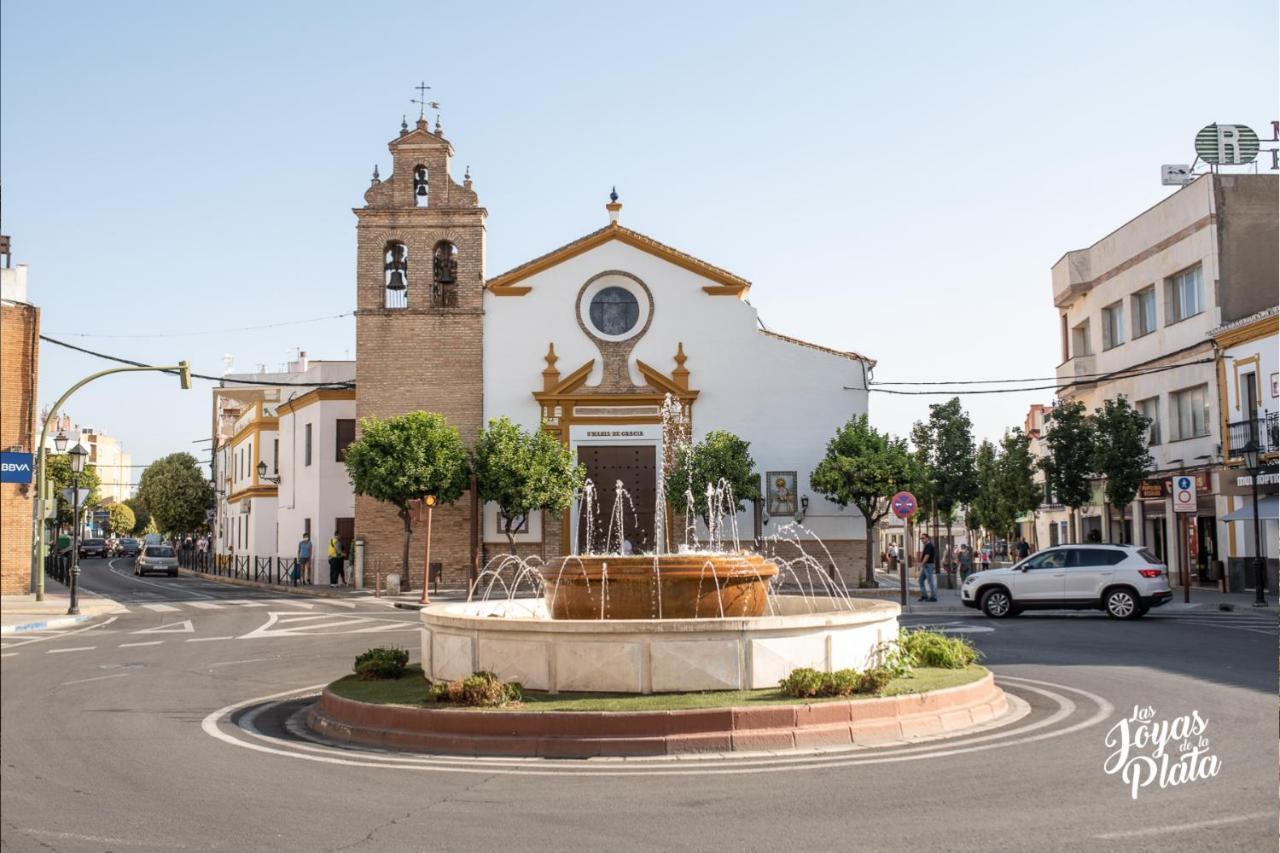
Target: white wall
[[786, 399], [321, 491]]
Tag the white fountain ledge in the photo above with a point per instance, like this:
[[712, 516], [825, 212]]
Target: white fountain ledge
[[517, 641]]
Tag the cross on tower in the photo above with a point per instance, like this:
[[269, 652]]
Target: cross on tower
[[422, 101]]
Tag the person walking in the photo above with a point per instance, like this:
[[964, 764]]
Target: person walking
[[1024, 550], [336, 562], [927, 558], [966, 561], [303, 563]]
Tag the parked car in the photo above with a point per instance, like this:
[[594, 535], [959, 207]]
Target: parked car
[[157, 558], [128, 547], [94, 548], [1124, 580]]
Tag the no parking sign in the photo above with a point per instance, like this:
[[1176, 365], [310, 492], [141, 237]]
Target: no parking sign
[[1184, 494]]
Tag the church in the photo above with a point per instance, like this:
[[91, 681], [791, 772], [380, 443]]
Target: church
[[585, 341]]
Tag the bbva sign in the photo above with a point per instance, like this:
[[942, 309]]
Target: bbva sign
[[15, 467]]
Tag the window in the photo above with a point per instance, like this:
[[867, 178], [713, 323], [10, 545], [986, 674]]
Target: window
[[1144, 311], [1066, 340], [421, 186], [1098, 556], [1189, 411], [614, 311], [306, 527], [249, 470], [444, 275], [346, 435], [1249, 396], [1113, 325], [1047, 560], [275, 456], [1185, 294], [396, 266], [1151, 408], [1080, 343], [306, 445]]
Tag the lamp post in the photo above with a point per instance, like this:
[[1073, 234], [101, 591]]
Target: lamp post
[[78, 455], [430, 502], [1253, 461], [262, 474]]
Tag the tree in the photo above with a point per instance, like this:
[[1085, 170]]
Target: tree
[[175, 492], [58, 472], [406, 458], [522, 472], [945, 445], [985, 510], [120, 519], [1068, 461], [142, 518], [1120, 452], [720, 455], [866, 468]]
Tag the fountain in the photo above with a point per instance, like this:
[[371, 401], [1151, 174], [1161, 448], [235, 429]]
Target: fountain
[[712, 615]]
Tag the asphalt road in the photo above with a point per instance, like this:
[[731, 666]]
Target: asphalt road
[[111, 741]]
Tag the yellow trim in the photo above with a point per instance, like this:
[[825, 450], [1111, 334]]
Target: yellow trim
[[252, 492], [1260, 328], [267, 424], [730, 284], [1222, 408], [292, 406], [1231, 528], [1235, 370]]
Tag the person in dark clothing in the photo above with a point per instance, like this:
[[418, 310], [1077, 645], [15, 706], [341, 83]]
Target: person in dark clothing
[[927, 559], [1024, 550]]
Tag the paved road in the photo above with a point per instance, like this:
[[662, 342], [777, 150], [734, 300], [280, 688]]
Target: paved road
[[110, 742]]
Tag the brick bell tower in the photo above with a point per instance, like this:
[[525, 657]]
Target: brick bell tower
[[419, 327]]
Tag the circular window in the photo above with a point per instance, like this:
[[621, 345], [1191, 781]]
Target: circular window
[[614, 311]]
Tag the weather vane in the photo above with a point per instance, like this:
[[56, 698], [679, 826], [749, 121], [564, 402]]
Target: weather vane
[[422, 101]]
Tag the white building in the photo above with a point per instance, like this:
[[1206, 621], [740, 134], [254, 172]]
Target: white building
[[1136, 311], [114, 467], [590, 338], [269, 433], [1248, 388]]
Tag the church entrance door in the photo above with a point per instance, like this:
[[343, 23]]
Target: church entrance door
[[637, 468]]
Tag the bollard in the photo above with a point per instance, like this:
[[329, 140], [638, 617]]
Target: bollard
[[357, 568]]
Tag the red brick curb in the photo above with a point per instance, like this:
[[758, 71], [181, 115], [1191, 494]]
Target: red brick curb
[[578, 734]]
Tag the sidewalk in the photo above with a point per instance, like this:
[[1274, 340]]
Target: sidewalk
[[19, 613], [1202, 600], [412, 597]]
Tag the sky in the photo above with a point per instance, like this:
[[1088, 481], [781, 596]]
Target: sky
[[894, 179]]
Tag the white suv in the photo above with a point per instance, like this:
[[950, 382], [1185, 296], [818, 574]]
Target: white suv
[[1124, 580]]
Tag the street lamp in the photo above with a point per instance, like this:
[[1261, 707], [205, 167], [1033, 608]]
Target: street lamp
[[1252, 455], [77, 455], [262, 474], [60, 442]]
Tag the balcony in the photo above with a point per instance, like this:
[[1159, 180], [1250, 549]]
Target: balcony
[[1076, 367], [1264, 430]]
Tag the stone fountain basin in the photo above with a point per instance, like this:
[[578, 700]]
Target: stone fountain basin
[[673, 586], [517, 640]]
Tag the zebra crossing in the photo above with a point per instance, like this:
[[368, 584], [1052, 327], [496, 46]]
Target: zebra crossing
[[173, 606]]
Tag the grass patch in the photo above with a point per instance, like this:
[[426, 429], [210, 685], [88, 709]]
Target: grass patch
[[411, 689]]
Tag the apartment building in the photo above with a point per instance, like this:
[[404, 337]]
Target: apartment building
[[1137, 310]]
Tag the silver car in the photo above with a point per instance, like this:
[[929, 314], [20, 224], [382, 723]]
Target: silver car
[[157, 558], [1124, 580]]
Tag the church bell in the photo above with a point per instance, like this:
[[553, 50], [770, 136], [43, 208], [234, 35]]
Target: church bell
[[396, 281]]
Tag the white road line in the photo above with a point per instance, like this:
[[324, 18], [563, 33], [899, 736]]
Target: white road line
[[9, 655], [95, 678], [336, 603], [1168, 829], [76, 649], [306, 605], [204, 605], [160, 608], [135, 645], [186, 590], [208, 639], [232, 662], [244, 602]]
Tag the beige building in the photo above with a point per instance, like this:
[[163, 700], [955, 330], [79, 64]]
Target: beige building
[[1136, 312]]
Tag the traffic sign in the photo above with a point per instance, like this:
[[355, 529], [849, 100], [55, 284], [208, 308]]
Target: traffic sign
[[903, 504], [1184, 493]]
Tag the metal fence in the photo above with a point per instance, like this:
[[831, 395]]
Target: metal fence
[[58, 567], [1265, 431], [274, 570]]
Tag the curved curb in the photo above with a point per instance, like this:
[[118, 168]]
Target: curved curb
[[579, 734]]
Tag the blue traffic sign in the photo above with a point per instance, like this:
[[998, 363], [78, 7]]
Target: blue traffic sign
[[903, 504]]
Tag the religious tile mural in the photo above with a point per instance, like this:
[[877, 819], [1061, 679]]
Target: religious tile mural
[[782, 492]]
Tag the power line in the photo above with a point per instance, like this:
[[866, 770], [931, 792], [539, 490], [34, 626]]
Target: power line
[[952, 392], [221, 379], [213, 331]]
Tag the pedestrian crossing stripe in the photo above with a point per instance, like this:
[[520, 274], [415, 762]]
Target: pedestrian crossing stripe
[[160, 608], [183, 627]]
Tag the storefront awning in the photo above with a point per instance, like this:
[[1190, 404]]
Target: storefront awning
[[1267, 509]]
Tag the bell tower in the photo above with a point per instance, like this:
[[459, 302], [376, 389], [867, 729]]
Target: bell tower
[[420, 325]]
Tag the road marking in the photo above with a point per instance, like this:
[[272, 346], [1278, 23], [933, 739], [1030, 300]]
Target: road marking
[[135, 645], [208, 639], [1183, 827], [336, 603], [76, 649], [306, 605], [102, 839], [160, 608], [244, 602], [111, 567], [43, 638], [204, 605], [183, 627], [9, 655], [95, 678], [233, 662]]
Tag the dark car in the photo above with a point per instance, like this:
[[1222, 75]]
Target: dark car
[[128, 548], [94, 548]]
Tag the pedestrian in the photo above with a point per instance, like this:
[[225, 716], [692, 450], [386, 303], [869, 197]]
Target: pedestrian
[[966, 561], [336, 569], [984, 557], [926, 558], [303, 562], [1024, 550]]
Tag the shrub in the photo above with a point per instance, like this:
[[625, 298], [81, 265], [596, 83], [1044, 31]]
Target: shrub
[[478, 690], [805, 683], [928, 648], [874, 680], [381, 663]]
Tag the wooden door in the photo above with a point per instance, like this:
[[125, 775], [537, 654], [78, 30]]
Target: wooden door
[[636, 467], [346, 528]]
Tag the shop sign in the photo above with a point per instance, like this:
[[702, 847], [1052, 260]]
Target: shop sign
[[1153, 489]]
